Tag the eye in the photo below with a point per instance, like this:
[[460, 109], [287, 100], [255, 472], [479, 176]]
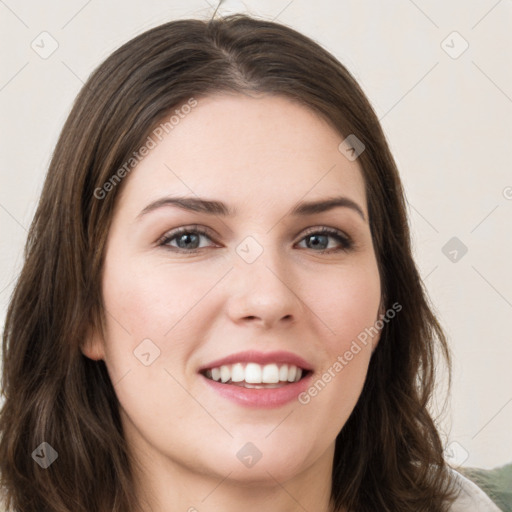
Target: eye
[[187, 239], [319, 238]]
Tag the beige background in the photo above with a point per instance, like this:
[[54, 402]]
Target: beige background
[[447, 114]]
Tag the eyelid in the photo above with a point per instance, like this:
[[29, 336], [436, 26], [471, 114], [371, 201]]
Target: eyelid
[[325, 230], [195, 228], [346, 241]]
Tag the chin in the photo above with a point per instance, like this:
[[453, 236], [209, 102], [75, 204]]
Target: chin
[[253, 462], [264, 473]]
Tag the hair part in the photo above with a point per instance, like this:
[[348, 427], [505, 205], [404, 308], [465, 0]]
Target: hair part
[[388, 455]]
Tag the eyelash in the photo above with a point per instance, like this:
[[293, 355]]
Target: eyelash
[[345, 242]]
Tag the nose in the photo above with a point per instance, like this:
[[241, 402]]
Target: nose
[[264, 292]]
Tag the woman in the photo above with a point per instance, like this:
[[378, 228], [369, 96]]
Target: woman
[[219, 307]]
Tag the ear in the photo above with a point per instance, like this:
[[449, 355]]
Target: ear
[[93, 346]]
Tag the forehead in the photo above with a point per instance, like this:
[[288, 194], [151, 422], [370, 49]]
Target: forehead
[[249, 151]]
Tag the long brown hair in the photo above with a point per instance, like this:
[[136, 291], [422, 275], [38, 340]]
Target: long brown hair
[[388, 455]]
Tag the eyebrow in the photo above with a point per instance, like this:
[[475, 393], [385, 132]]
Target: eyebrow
[[212, 207]]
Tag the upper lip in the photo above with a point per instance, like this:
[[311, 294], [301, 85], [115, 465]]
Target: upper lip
[[253, 356]]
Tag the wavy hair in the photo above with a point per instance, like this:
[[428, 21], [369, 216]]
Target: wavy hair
[[388, 455]]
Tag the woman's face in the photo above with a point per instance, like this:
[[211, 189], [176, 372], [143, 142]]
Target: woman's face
[[262, 292]]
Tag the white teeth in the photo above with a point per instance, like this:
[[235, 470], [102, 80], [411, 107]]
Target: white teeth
[[283, 373], [270, 374], [225, 373], [253, 373], [237, 373]]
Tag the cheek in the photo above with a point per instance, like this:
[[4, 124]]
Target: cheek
[[149, 300], [145, 295], [151, 331], [347, 303]]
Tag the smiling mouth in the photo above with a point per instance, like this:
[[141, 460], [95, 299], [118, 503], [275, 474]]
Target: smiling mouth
[[256, 376]]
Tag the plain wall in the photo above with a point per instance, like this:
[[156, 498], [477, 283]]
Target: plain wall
[[447, 115]]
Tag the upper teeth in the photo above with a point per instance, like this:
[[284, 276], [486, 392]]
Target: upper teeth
[[254, 373]]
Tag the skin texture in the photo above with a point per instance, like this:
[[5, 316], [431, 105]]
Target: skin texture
[[261, 155]]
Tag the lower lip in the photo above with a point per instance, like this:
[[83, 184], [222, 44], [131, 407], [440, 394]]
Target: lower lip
[[264, 398]]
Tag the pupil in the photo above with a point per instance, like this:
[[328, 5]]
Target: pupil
[[186, 237], [316, 238]]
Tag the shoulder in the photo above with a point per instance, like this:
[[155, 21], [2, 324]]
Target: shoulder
[[471, 497]]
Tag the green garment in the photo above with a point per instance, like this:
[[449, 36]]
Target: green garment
[[496, 483]]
